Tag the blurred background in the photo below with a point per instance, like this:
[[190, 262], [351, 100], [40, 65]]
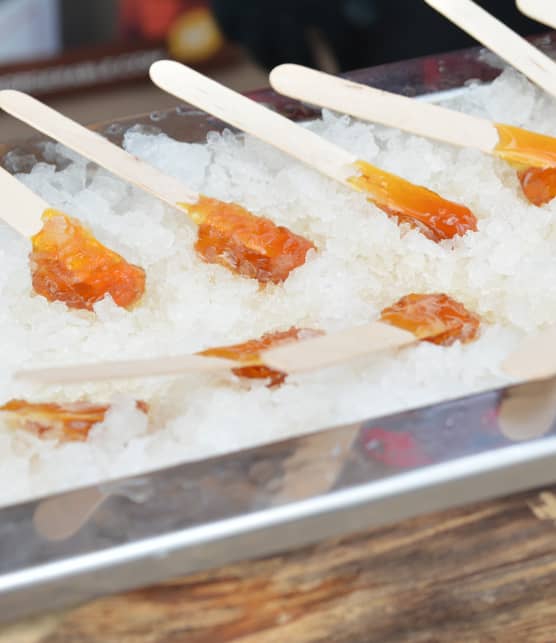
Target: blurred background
[[90, 58]]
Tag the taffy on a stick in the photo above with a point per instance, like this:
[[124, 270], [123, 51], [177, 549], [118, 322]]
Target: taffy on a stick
[[67, 263], [435, 216], [532, 154], [434, 317], [228, 234]]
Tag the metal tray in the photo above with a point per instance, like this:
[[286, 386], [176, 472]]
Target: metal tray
[[71, 547]]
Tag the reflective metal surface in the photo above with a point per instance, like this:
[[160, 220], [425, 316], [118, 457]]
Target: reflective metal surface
[[74, 546]]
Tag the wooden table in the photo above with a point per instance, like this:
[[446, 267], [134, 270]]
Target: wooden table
[[486, 573]]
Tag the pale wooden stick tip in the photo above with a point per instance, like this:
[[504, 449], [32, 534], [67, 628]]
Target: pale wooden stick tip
[[534, 358], [165, 69]]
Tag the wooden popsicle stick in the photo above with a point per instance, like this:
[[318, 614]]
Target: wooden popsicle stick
[[378, 106], [129, 369], [95, 147], [21, 208], [540, 10], [534, 358], [251, 117], [528, 411], [437, 218], [305, 355], [60, 517], [500, 39], [335, 348], [519, 147]]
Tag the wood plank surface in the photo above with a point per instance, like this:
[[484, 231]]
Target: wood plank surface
[[486, 573]]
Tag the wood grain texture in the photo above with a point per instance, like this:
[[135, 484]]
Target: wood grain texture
[[482, 574]]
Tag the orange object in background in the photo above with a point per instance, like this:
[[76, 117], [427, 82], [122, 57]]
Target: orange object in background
[[195, 37], [149, 19], [188, 26]]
